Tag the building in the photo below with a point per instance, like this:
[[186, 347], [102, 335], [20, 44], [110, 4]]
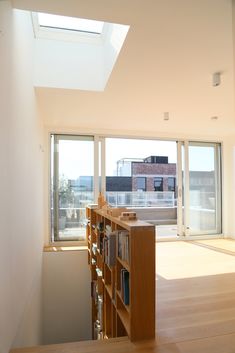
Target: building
[[154, 174], [124, 166], [166, 65]]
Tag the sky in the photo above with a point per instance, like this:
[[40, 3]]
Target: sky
[[132, 148], [76, 157]]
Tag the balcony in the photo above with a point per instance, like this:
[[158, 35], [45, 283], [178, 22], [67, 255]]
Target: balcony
[[158, 208]]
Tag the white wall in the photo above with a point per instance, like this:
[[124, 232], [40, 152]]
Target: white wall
[[66, 297], [20, 185]]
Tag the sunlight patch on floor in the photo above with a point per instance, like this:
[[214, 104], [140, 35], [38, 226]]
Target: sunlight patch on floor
[[176, 260]]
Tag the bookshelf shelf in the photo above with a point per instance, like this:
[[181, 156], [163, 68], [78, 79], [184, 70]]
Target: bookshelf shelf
[[127, 307], [125, 319], [124, 264], [122, 303], [109, 289]]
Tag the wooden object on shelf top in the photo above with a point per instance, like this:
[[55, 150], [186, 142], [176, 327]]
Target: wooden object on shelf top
[[116, 212], [128, 216], [121, 255], [101, 201]]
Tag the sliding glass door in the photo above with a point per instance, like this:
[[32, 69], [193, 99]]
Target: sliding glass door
[[199, 188]]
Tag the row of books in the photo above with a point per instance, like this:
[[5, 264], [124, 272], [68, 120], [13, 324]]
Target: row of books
[[125, 292], [123, 245], [98, 334], [113, 239], [100, 243], [98, 299], [94, 248], [94, 291], [94, 283], [100, 226], [109, 247], [100, 311]]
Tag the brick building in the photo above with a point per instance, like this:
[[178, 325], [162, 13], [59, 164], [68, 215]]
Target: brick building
[[153, 173]]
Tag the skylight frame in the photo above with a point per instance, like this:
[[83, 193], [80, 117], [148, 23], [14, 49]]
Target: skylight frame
[[69, 35], [74, 24]]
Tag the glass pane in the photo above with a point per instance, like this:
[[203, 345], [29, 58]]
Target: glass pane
[[141, 184], [74, 167], [137, 173], [171, 184], [204, 188]]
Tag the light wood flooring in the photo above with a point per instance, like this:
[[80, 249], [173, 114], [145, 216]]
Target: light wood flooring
[[195, 303], [195, 290]]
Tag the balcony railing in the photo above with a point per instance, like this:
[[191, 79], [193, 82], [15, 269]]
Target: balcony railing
[[155, 206], [141, 199]]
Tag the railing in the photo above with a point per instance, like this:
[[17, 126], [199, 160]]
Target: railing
[[158, 206], [141, 199]]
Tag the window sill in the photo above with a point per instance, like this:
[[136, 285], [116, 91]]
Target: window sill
[[56, 248]]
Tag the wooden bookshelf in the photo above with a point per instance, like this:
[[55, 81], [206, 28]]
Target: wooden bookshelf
[[133, 272]]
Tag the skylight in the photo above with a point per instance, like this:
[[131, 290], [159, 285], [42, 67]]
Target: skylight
[[86, 50], [69, 23]]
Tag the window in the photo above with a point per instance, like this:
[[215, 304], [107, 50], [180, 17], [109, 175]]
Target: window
[[171, 184], [72, 174], [141, 183], [158, 184], [81, 166]]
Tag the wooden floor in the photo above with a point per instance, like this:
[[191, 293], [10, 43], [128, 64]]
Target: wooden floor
[[195, 290], [195, 303]]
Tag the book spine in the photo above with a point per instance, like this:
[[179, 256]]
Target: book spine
[[123, 246], [126, 296], [111, 249], [125, 293]]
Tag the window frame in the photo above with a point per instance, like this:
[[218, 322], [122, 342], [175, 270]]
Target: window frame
[[60, 25], [67, 35], [69, 241]]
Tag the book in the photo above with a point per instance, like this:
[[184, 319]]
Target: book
[[111, 258], [125, 292], [109, 247], [100, 311], [123, 245], [100, 226]]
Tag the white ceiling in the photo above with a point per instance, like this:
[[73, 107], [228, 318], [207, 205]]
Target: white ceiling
[[166, 64]]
